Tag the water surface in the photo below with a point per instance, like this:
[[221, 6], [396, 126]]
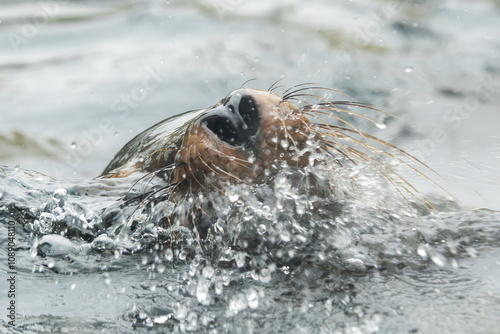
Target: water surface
[[79, 79]]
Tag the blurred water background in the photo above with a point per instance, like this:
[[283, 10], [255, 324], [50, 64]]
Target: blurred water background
[[78, 79]]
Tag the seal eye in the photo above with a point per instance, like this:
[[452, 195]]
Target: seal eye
[[225, 130], [249, 114]]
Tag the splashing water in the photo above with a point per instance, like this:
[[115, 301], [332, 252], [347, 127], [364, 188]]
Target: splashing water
[[306, 242]]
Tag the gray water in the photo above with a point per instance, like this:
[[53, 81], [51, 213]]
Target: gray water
[[80, 78]]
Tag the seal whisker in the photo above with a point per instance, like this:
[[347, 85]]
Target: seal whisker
[[190, 169], [355, 104], [310, 108], [339, 147], [273, 86], [384, 143], [310, 111], [331, 127], [331, 133], [242, 164], [411, 191], [217, 168], [285, 131], [333, 107], [335, 146], [153, 175], [299, 85], [312, 134], [145, 200], [376, 149], [391, 176], [287, 94], [289, 91], [249, 80]]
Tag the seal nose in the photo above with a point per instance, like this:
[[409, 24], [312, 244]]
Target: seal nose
[[235, 120], [249, 114], [225, 130]]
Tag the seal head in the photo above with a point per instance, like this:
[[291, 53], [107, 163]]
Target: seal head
[[234, 140]]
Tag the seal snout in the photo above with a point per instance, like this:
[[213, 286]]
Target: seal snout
[[235, 121], [239, 137]]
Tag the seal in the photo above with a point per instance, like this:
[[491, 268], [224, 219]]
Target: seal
[[248, 135], [236, 139]]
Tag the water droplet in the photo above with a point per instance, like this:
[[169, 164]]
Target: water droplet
[[240, 259], [233, 196], [284, 143], [161, 268], [141, 158], [285, 270], [408, 69], [218, 287], [73, 286], [192, 322], [265, 275], [348, 77], [238, 303], [208, 272], [421, 251], [328, 305], [34, 248], [182, 255], [438, 258], [261, 229], [169, 255], [285, 236], [142, 315], [202, 292], [180, 311], [51, 263], [73, 145], [16, 168], [252, 299], [354, 264], [116, 134]]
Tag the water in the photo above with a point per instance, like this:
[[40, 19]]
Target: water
[[77, 87]]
